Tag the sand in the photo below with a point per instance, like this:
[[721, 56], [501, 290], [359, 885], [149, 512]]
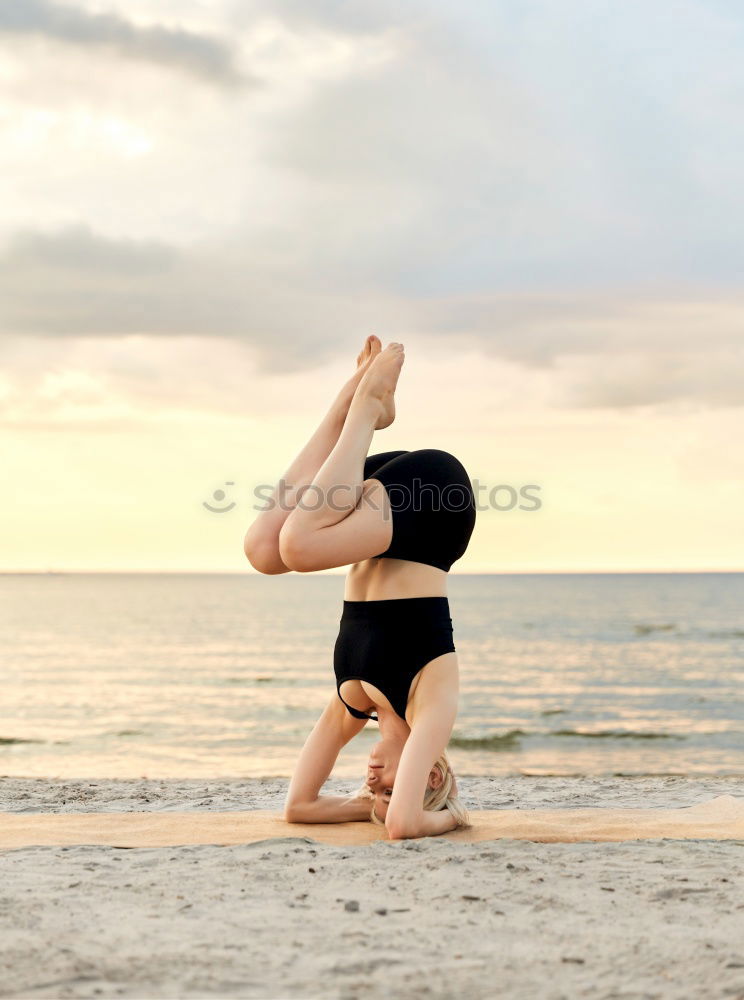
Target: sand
[[295, 918]]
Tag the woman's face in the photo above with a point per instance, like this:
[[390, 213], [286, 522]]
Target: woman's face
[[381, 770]]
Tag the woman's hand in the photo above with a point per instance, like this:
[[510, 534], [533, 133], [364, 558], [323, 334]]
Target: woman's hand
[[329, 809]]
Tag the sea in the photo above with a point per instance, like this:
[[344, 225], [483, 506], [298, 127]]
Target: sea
[[168, 675]]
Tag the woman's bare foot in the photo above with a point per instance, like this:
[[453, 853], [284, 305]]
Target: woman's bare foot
[[370, 350], [372, 347], [377, 385]]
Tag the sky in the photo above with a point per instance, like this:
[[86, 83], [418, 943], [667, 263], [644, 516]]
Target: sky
[[206, 207]]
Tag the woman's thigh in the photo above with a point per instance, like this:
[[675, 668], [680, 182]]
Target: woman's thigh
[[365, 532]]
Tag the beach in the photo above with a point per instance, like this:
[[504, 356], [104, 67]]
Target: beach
[[614, 692], [290, 917], [370, 379]]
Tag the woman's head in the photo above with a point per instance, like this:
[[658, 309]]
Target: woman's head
[[441, 789]]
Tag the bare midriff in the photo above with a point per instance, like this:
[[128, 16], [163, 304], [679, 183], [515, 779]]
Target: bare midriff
[[393, 579]]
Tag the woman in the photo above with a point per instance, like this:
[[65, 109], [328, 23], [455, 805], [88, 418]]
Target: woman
[[400, 519]]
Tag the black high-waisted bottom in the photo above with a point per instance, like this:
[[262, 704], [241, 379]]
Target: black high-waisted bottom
[[387, 642]]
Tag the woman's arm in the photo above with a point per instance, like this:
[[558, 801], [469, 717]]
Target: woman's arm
[[432, 824], [435, 714], [304, 804]]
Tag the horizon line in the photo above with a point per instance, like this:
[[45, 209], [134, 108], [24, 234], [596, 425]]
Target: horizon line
[[252, 573]]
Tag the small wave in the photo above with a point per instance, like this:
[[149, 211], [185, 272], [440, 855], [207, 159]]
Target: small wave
[[130, 732], [554, 711], [248, 680], [733, 633], [645, 629], [497, 741], [615, 734], [6, 741], [511, 740]]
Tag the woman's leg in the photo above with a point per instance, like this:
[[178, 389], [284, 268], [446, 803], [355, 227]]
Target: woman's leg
[[261, 543], [343, 519]]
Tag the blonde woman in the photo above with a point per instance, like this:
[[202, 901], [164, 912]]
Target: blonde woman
[[399, 520]]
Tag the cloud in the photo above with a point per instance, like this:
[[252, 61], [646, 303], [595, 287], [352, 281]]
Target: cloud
[[77, 249], [551, 188], [356, 18], [194, 53], [706, 378], [503, 150], [489, 151], [605, 350], [74, 282]]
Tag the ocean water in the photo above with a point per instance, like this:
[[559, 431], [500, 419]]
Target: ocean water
[[212, 675]]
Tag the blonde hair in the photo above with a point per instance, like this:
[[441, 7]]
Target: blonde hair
[[434, 798]]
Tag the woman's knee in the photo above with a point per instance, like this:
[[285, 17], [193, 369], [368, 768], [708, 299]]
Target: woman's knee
[[263, 554], [296, 547]]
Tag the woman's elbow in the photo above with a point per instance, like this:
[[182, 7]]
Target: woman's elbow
[[300, 812], [402, 829], [294, 550], [294, 813], [263, 556]]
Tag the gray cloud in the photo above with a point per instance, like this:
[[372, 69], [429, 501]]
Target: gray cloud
[[195, 53], [502, 150], [352, 18], [612, 349], [77, 250], [76, 283], [709, 377], [550, 185]]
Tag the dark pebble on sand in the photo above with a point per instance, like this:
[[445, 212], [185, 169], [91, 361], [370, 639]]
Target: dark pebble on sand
[[351, 906]]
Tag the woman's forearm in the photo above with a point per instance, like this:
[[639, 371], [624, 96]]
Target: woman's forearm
[[329, 809], [435, 823], [427, 824]]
